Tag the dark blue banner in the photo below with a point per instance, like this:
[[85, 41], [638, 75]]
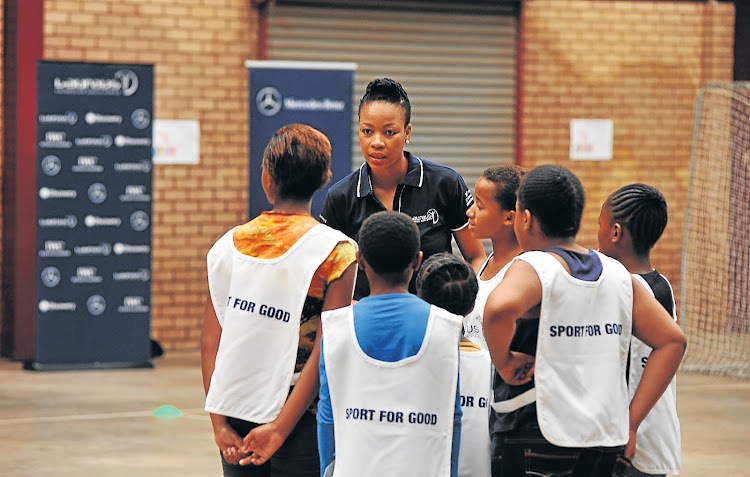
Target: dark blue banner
[[94, 214], [316, 94]]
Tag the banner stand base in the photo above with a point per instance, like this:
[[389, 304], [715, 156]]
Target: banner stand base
[[36, 366]]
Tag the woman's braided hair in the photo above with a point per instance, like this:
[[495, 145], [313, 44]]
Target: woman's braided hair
[[642, 210], [448, 282]]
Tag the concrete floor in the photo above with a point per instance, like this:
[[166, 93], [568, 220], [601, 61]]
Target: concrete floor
[[100, 423]]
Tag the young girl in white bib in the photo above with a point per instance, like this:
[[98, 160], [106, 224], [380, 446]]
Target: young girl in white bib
[[491, 217], [389, 396], [578, 421], [630, 223], [269, 280], [449, 282]]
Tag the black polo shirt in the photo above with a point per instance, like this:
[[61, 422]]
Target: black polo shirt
[[434, 196]]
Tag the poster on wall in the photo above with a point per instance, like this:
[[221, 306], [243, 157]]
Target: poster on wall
[[591, 139], [94, 215], [312, 93], [176, 141]]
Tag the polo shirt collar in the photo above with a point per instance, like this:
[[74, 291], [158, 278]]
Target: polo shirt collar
[[414, 175]]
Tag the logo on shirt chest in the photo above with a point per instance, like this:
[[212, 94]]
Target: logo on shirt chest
[[430, 216]]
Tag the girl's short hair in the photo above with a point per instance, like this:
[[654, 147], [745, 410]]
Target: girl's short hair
[[388, 90], [555, 197], [298, 158], [389, 242], [448, 282], [642, 210], [507, 179]]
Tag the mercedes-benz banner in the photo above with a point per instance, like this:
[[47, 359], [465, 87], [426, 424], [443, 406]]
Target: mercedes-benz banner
[[94, 215], [316, 94]]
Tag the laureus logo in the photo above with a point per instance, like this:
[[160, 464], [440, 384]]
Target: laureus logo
[[431, 216], [124, 82], [129, 81]]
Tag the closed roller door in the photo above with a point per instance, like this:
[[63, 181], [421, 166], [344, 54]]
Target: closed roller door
[[457, 61]]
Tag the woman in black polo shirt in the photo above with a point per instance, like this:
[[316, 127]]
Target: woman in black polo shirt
[[435, 196]]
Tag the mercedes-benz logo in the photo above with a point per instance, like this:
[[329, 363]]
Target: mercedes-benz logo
[[50, 277], [97, 193], [96, 305], [268, 101], [51, 165], [140, 118], [139, 220]]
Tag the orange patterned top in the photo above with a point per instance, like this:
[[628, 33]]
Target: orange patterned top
[[270, 235]]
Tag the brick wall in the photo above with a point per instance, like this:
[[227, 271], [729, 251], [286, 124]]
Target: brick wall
[[639, 63], [198, 48]]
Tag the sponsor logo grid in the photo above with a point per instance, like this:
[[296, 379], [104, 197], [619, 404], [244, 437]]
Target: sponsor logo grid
[[94, 189]]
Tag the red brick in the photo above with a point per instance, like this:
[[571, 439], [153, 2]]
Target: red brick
[[638, 63], [642, 69]]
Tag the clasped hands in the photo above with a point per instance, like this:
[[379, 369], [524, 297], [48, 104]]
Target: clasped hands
[[255, 449]]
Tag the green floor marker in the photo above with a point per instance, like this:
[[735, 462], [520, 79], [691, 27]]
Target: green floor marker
[[167, 410]]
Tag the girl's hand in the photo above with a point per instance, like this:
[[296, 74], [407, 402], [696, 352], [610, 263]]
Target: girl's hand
[[229, 443], [519, 369], [261, 443]]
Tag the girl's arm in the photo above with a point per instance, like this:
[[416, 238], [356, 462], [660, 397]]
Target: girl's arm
[[264, 440], [471, 248], [227, 440], [653, 325], [518, 292]]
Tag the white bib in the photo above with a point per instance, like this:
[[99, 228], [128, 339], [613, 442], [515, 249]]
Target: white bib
[[392, 418], [473, 322], [658, 439], [476, 393], [259, 303], [582, 349]]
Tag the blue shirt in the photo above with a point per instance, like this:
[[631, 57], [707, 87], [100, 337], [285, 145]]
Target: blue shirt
[[434, 196], [389, 328]]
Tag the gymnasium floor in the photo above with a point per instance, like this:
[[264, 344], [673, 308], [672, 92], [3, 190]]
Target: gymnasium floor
[[100, 423]]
